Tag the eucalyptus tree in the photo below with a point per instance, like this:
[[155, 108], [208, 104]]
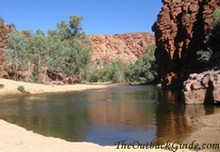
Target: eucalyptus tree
[[39, 48], [1, 20], [17, 50]]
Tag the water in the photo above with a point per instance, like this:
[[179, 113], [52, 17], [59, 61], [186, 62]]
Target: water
[[131, 113]]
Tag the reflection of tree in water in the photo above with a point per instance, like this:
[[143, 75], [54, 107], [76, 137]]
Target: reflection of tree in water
[[50, 118]]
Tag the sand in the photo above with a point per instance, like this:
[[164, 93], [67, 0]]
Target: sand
[[16, 139], [9, 88]]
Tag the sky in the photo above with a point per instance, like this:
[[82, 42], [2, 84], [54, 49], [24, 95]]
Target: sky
[[99, 16]]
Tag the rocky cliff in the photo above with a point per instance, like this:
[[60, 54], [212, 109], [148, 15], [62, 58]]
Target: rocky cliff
[[125, 48], [180, 31]]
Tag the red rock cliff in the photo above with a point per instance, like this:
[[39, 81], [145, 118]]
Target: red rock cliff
[[125, 48], [180, 32]]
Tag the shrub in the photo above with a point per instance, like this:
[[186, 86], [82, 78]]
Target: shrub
[[17, 50], [21, 89], [143, 70]]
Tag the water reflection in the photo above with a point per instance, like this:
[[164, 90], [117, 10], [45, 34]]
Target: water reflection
[[132, 113], [174, 119]]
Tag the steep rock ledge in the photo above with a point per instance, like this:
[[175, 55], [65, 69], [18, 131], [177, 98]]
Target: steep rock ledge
[[126, 48], [180, 32]]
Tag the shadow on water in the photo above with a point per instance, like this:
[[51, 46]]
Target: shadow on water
[[132, 113]]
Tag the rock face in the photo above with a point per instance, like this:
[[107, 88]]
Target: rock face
[[125, 48], [180, 32], [203, 87]]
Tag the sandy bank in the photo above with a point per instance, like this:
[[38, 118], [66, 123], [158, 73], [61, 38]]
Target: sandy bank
[[207, 133], [9, 88]]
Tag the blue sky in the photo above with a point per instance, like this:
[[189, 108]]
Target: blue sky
[[100, 16]]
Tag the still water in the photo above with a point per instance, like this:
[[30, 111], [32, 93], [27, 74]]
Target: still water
[[132, 113]]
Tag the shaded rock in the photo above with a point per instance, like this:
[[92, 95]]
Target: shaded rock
[[203, 88]]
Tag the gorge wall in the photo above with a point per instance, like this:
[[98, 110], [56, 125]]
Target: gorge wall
[[180, 31], [126, 48]]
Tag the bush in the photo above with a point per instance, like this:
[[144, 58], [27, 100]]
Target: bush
[[21, 89], [111, 73], [1, 20], [17, 51], [205, 57], [216, 17], [143, 70]]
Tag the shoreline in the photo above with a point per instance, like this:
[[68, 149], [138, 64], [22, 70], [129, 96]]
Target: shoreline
[[9, 88]]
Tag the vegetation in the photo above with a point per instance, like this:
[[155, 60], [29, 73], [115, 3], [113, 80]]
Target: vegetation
[[212, 42], [21, 89], [17, 51], [66, 50], [1, 20], [143, 70]]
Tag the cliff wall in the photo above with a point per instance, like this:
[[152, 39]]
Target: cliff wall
[[126, 48], [180, 31]]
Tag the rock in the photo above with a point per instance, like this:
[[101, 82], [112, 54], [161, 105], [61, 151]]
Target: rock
[[203, 88], [24, 74], [126, 48], [180, 31]]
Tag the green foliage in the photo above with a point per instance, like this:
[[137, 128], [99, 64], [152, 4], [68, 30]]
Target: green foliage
[[216, 17], [68, 56], [1, 20], [21, 89], [39, 49], [112, 73], [17, 50], [211, 40], [149, 50], [75, 25], [13, 25], [204, 56], [40, 32], [144, 70]]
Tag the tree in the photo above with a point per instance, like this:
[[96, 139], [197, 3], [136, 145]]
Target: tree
[[39, 49], [75, 25], [17, 50], [1, 20], [63, 30], [13, 25], [40, 32], [216, 17], [144, 70]]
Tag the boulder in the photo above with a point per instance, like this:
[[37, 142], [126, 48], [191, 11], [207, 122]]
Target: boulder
[[203, 88]]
